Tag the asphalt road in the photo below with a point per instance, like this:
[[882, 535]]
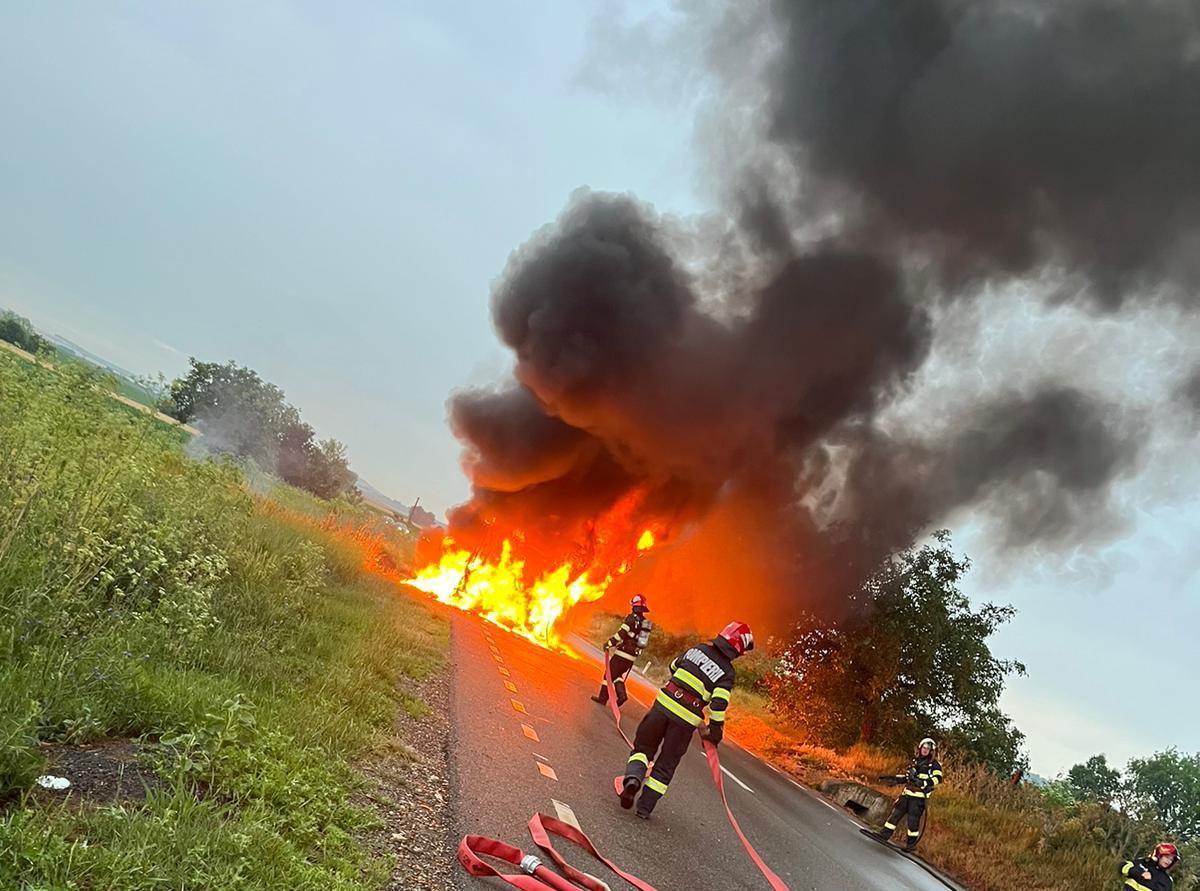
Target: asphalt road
[[527, 738]]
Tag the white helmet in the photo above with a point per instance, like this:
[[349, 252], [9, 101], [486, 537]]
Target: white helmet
[[927, 742]]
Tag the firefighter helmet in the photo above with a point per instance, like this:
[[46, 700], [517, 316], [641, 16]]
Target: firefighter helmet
[[927, 741], [639, 602], [1166, 849], [738, 635]]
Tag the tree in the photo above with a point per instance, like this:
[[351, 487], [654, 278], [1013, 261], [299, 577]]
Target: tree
[[914, 658], [1170, 782], [240, 412], [329, 474], [19, 332], [1094, 780], [244, 415], [989, 737]]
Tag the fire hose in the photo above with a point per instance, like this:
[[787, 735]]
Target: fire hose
[[537, 876], [714, 764]]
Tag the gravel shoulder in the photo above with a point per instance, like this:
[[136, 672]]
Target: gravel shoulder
[[410, 787]]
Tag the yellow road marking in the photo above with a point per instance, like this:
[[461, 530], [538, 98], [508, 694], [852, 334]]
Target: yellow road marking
[[530, 732], [565, 814], [518, 707], [547, 771], [510, 686]]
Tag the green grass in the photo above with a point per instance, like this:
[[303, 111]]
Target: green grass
[[148, 596]]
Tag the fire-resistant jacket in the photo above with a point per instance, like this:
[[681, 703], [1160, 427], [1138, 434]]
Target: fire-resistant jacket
[[702, 676], [924, 774], [1159, 879], [624, 642]]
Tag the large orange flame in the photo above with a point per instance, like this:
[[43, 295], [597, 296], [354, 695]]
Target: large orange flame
[[500, 591]]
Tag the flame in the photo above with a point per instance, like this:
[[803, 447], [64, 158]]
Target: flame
[[502, 593]]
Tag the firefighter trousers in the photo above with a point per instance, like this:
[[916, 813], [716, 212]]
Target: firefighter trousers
[[911, 807], [620, 667], [667, 736]]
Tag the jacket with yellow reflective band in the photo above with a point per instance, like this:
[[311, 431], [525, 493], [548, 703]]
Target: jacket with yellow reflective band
[[924, 774], [623, 643], [702, 676], [1134, 872]]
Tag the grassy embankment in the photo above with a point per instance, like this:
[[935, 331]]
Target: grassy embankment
[[243, 650], [984, 832]]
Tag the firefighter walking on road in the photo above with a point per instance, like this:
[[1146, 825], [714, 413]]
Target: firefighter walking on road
[[702, 677], [922, 778], [1152, 873], [624, 647]]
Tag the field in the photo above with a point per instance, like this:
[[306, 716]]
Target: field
[[207, 658]]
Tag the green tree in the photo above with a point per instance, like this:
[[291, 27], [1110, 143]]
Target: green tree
[[16, 330], [914, 658], [244, 415], [1094, 780], [1170, 783]]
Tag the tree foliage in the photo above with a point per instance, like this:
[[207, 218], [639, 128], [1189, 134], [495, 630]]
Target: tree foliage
[[1094, 780], [1170, 783], [913, 660], [17, 331], [243, 415]]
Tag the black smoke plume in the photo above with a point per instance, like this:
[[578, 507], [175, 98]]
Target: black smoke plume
[[954, 144]]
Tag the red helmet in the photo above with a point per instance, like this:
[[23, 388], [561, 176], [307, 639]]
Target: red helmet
[[1166, 849], [639, 602], [739, 637]]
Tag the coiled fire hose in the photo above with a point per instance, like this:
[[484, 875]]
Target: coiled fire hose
[[714, 764]]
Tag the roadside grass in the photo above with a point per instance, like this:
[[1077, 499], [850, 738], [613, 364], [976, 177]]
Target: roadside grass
[[984, 832], [144, 595]]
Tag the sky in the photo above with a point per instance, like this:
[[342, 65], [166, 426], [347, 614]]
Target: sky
[[326, 193]]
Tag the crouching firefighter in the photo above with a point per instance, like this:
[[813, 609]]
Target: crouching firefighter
[[922, 778], [624, 647], [701, 677], [1152, 873]]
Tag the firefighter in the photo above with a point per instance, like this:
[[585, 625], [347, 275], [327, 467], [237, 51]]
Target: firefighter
[[922, 778], [1152, 873], [701, 677], [624, 647]]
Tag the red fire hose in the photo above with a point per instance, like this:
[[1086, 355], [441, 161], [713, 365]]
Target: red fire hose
[[537, 876], [714, 764]]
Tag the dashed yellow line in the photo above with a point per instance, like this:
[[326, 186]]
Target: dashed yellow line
[[510, 686], [518, 707], [530, 732]]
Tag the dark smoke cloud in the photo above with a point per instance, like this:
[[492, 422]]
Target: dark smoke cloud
[[745, 399], [1189, 391], [1004, 135]]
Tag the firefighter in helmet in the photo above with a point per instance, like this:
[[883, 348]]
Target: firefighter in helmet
[[702, 677], [624, 647], [922, 778], [1152, 873]]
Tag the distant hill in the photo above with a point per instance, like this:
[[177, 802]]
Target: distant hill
[[88, 356]]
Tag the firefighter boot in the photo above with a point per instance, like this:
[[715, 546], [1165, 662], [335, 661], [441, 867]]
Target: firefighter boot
[[885, 834], [911, 844], [629, 792], [602, 696], [622, 696]]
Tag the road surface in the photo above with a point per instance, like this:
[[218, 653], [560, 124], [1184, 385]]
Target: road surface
[[527, 738]]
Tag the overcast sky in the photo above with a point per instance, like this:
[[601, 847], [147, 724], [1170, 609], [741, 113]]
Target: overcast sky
[[325, 192]]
